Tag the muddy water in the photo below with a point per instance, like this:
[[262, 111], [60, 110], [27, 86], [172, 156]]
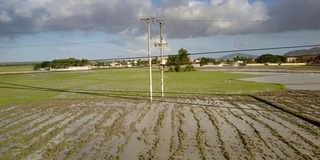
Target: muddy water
[[220, 127], [293, 81]]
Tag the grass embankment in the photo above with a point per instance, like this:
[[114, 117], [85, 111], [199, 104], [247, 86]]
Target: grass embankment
[[19, 88]]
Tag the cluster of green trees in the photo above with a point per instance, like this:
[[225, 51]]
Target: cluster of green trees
[[270, 58], [62, 63], [207, 60], [180, 62]]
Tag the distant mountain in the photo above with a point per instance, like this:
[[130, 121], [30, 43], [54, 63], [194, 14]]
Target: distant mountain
[[230, 56], [312, 51]]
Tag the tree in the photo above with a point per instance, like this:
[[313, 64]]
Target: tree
[[177, 61], [203, 61], [155, 60], [37, 66], [269, 58]]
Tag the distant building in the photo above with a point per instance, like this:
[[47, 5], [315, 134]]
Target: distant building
[[116, 64], [296, 58]]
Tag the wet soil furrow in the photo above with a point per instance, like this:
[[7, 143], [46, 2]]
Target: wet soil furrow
[[102, 129], [131, 138], [241, 137], [112, 132], [211, 144], [18, 129], [261, 148], [49, 135], [56, 144], [227, 155], [174, 136], [83, 136], [295, 138], [177, 153], [285, 146], [307, 118], [200, 137], [291, 120]]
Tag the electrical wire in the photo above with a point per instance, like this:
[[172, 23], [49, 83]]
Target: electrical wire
[[71, 29], [65, 42], [61, 44], [220, 21], [225, 51]]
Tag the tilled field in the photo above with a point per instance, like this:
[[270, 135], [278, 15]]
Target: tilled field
[[217, 127], [304, 103]]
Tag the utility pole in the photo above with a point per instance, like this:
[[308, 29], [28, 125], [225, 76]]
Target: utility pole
[[162, 64], [148, 21]]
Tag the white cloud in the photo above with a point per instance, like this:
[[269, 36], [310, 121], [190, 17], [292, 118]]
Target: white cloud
[[4, 18], [228, 17]]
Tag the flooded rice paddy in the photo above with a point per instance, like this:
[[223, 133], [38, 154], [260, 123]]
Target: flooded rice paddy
[[211, 127], [292, 81]]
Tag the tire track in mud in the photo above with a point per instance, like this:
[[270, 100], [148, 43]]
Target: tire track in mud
[[287, 144]]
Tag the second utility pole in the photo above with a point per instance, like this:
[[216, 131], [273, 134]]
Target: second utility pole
[[148, 21], [161, 56], [162, 63]]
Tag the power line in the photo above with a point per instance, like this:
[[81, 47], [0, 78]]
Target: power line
[[61, 44], [226, 51], [255, 49], [71, 29], [221, 21], [66, 42]]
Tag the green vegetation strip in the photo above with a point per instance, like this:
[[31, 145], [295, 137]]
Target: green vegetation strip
[[288, 110], [122, 83]]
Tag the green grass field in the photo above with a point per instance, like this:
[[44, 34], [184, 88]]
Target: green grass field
[[16, 68], [133, 83]]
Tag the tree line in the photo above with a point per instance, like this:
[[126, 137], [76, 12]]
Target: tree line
[[62, 63]]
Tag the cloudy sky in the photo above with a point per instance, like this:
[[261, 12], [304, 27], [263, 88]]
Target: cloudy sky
[[38, 30]]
